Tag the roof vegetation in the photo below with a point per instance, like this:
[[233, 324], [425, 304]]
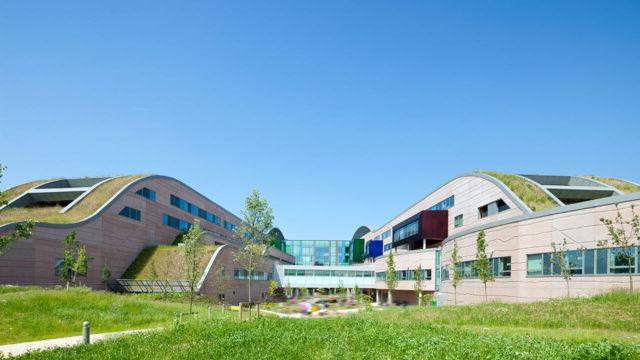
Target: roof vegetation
[[16, 191], [87, 206], [535, 198], [163, 262], [624, 186]]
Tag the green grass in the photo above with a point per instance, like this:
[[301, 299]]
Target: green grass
[[36, 314], [530, 194], [353, 337], [543, 330], [13, 192], [621, 185], [87, 206], [162, 262]]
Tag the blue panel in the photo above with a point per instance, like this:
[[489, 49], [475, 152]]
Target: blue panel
[[375, 248]]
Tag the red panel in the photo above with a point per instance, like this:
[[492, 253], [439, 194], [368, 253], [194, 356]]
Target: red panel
[[434, 224]]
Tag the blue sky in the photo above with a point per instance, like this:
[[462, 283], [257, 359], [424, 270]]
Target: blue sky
[[340, 113]]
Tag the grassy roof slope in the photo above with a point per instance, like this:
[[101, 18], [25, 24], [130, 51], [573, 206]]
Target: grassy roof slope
[[624, 186], [87, 206], [535, 198], [163, 262], [15, 191]]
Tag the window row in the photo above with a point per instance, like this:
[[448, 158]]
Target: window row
[[500, 267], [148, 193], [404, 232], [387, 247], [194, 210], [241, 274], [587, 262], [130, 213], [386, 234], [405, 275], [444, 204], [331, 273], [229, 226], [175, 223]]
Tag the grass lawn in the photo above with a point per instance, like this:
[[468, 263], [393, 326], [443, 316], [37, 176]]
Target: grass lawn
[[29, 314], [496, 331], [163, 262], [533, 196]]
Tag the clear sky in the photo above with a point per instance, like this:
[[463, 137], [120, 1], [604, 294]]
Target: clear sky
[[341, 113]]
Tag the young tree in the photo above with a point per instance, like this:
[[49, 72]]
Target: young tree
[[253, 233], [81, 265], [391, 278], [74, 259], [625, 235], [561, 261], [287, 290], [455, 271], [106, 272], [23, 230], [482, 265], [273, 288], [418, 278], [193, 250]]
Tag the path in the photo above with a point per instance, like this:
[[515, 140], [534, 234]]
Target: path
[[21, 348]]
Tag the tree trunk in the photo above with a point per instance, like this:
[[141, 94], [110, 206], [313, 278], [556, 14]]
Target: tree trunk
[[455, 296], [630, 277], [191, 299], [390, 299], [249, 288], [486, 297], [420, 299], [567, 281]]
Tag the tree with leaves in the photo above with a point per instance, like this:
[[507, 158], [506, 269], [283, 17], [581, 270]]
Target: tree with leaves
[[418, 279], [193, 249], [482, 265], [455, 271], [253, 234], [273, 288], [391, 278], [561, 261], [105, 274], [23, 230], [74, 259], [625, 235]]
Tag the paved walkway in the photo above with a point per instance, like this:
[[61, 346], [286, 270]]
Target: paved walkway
[[21, 348]]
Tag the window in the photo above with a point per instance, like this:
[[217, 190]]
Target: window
[[444, 204], [130, 213], [386, 234], [406, 231], [148, 193], [387, 247], [458, 221], [58, 267], [620, 259], [193, 209], [492, 208], [585, 262], [377, 237], [175, 223], [229, 226]]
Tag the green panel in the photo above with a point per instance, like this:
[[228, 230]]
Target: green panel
[[357, 251]]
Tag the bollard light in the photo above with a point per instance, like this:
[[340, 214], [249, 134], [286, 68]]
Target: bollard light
[[86, 332]]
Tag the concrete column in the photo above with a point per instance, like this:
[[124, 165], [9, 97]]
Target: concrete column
[[377, 297], [424, 244]]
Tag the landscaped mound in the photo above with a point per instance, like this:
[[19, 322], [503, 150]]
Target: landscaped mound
[[535, 198], [163, 262], [87, 206]]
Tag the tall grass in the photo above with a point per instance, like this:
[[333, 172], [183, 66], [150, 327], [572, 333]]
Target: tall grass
[[163, 262], [353, 337], [34, 314], [621, 185]]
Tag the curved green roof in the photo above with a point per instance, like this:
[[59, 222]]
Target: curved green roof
[[532, 195], [624, 186], [88, 205]]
